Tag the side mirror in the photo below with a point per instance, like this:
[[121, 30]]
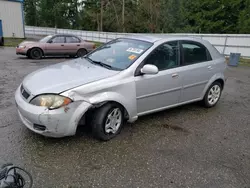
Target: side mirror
[[50, 41], [149, 69]]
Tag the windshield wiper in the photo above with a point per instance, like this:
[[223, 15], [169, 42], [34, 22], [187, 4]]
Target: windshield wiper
[[101, 64]]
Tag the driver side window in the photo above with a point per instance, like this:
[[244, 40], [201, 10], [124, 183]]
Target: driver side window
[[165, 56]]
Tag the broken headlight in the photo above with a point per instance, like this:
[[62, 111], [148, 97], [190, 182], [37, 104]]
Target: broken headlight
[[51, 101]]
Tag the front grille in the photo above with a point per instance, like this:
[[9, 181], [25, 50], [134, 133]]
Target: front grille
[[25, 94]]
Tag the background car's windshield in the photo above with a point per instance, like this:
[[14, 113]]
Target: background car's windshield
[[120, 53], [45, 39]]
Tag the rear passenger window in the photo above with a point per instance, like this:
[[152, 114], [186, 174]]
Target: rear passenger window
[[72, 40], [194, 53]]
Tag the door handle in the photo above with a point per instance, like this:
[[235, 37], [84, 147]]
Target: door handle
[[175, 75], [62, 45], [78, 44], [210, 67]]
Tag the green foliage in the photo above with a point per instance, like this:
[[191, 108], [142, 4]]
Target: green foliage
[[168, 16]]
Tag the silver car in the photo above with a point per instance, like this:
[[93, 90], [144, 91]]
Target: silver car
[[120, 81]]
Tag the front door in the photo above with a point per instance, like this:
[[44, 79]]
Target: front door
[[156, 92], [56, 46], [197, 69]]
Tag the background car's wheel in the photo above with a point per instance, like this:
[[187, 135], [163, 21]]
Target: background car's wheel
[[72, 56], [107, 121], [212, 95], [81, 52], [35, 53]]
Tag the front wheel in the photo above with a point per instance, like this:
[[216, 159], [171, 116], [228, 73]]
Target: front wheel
[[212, 95], [107, 121], [35, 53]]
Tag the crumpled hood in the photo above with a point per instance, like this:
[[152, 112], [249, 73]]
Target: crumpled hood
[[64, 76]]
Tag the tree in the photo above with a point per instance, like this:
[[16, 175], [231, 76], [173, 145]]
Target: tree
[[244, 18], [30, 9]]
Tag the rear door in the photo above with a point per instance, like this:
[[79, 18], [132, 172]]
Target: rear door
[[56, 46], [72, 45], [197, 69]]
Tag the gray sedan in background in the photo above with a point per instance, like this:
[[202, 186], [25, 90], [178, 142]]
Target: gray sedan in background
[[120, 81]]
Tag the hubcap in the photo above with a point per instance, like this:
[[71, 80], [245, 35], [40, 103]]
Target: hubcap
[[214, 94], [113, 121], [36, 53]]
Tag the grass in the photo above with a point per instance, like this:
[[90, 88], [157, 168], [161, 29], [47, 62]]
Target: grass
[[12, 42], [245, 61]]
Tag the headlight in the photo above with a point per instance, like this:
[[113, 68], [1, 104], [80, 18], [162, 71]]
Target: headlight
[[51, 101], [21, 46]]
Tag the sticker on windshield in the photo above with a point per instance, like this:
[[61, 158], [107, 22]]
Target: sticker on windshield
[[132, 57], [135, 50]]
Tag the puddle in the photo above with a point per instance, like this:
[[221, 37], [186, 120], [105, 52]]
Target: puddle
[[176, 128]]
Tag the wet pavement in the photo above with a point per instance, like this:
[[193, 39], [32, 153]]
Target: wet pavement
[[189, 146]]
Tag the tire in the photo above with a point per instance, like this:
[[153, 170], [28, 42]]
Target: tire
[[1, 41], [81, 52], [72, 56], [107, 121], [35, 53], [212, 95]]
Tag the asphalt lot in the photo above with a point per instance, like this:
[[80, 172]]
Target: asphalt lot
[[189, 146]]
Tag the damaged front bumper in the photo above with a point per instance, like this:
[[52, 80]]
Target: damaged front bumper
[[60, 122]]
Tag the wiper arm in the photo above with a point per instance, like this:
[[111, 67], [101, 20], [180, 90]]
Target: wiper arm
[[101, 64]]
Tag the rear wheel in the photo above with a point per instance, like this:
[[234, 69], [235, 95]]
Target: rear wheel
[[81, 52], [212, 95], [35, 53], [107, 121]]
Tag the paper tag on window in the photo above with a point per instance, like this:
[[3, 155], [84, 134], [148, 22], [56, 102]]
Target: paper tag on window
[[135, 50]]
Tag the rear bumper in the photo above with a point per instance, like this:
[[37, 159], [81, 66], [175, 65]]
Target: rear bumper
[[58, 123]]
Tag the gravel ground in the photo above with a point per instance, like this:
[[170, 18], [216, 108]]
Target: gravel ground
[[189, 146]]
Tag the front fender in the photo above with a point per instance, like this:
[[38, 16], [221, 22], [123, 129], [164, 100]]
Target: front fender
[[122, 93], [128, 101]]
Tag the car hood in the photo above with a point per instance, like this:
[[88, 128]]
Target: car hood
[[64, 76], [26, 43]]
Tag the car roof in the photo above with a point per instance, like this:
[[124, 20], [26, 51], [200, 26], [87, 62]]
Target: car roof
[[146, 38], [160, 37], [65, 35]]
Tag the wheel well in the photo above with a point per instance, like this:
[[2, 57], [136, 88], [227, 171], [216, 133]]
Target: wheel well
[[88, 115], [221, 82], [82, 49], [34, 48]]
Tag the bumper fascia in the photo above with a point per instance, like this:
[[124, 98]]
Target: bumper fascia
[[59, 122], [21, 51]]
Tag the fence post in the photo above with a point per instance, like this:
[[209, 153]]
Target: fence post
[[225, 44]]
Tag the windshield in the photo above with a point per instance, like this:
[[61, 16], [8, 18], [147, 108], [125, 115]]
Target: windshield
[[45, 39], [120, 53]]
